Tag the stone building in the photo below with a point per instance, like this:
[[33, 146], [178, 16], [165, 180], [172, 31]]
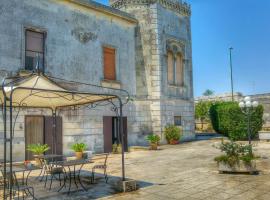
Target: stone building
[[141, 46]]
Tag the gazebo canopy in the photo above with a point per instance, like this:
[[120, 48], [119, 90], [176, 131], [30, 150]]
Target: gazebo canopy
[[38, 91]]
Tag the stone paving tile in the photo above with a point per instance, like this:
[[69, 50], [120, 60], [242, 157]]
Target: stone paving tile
[[179, 172], [248, 195], [263, 197], [220, 196]]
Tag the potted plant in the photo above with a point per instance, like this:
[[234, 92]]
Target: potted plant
[[172, 134], [37, 150], [79, 148], [237, 158], [116, 148], [153, 140]]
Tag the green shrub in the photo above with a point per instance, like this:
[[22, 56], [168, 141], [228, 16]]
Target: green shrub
[[172, 133], [153, 138], [228, 119], [79, 147], [38, 149], [235, 152]]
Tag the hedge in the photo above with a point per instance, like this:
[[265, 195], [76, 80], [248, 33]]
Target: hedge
[[228, 119]]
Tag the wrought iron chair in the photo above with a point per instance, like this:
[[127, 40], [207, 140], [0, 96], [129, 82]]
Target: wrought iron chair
[[43, 161], [53, 171], [1, 185], [19, 185], [101, 165]]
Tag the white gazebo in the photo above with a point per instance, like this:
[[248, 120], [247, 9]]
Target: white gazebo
[[40, 91]]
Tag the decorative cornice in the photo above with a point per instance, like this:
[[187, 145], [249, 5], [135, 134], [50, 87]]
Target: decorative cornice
[[174, 5], [176, 46]]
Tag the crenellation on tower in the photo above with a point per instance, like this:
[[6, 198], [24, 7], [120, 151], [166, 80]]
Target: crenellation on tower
[[178, 6]]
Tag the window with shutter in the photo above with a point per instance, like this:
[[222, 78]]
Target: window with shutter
[[109, 63], [170, 68], [34, 49]]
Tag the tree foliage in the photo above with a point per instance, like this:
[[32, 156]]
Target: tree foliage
[[202, 110], [208, 92]]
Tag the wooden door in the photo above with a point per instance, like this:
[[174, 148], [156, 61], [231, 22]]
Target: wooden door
[[34, 133], [55, 142], [107, 133]]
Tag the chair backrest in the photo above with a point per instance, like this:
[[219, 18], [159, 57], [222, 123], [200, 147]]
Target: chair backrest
[[101, 157], [2, 179]]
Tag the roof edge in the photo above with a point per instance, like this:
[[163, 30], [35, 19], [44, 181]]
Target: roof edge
[[105, 9]]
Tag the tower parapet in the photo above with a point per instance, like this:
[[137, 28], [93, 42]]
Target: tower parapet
[[175, 5]]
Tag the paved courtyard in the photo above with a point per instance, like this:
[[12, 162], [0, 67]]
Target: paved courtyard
[[185, 172]]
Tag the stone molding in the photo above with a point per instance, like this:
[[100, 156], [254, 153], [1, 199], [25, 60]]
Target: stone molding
[[174, 5], [175, 46]]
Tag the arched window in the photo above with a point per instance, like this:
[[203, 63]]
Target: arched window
[[179, 76], [170, 67], [175, 69]]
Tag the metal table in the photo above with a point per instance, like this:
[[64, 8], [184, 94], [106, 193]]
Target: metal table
[[71, 173]]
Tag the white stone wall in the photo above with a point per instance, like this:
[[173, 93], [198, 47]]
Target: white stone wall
[[69, 58]]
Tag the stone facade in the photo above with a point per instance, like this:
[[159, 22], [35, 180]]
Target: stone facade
[[76, 31], [162, 25]]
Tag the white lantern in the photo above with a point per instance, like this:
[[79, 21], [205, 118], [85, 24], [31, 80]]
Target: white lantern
[[241, 104], [255, 104], [247, 98], [248, 104]]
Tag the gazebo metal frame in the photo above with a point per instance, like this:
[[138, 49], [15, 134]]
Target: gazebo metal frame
[[8, 107]]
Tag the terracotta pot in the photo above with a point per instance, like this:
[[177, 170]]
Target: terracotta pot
[[153, 146], [173, 142], [79, 155], [37, 160]]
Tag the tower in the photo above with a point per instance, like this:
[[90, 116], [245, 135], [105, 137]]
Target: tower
[[163, 61]]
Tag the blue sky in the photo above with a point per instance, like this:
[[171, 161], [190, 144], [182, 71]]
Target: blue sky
[[220, 24]]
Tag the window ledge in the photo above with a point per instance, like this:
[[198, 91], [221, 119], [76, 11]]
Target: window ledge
[[111, 83], [176, 86], [24, 72]]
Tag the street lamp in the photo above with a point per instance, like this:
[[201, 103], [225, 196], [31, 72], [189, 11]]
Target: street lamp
[[231, 68], [247, 106]]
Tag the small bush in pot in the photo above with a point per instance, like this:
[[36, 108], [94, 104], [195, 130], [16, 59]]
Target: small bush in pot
[[172, 134], [37, 150], [117, 148], [153, 140], [79, 148], [234, 155]]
